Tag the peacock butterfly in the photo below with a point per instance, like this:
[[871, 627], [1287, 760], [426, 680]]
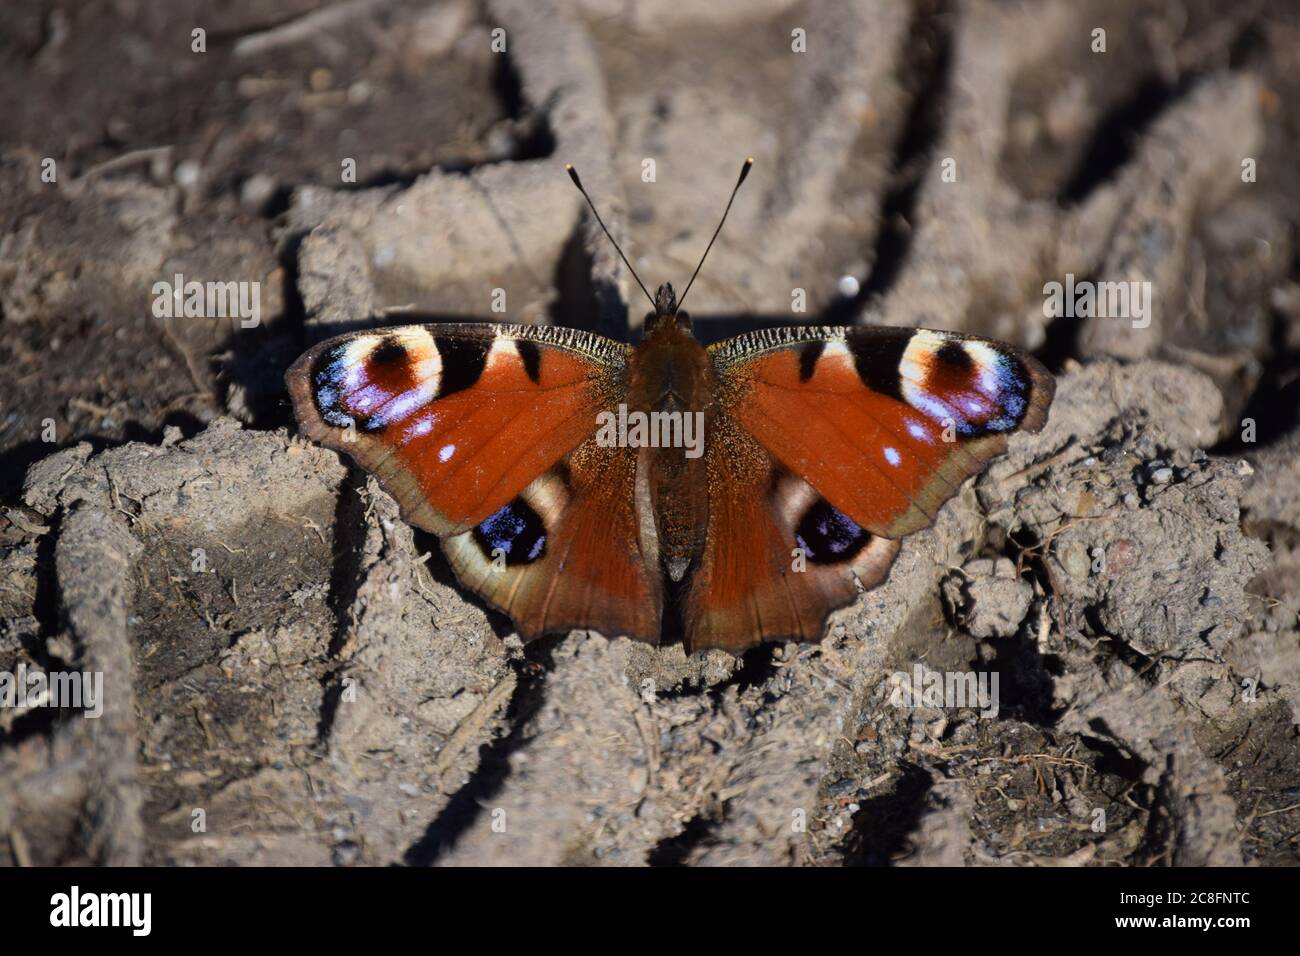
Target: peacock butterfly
[[726, 495]]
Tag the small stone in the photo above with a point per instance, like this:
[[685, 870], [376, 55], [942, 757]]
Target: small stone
[[187, 174], [638, 779], [500, 142], [61, 647], [1075, 560], [434, 31], [360, 92], [843, 787], [1121, 556], [256, 192]]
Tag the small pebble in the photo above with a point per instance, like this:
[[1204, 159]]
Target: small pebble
[[257, 191], [187, 174], [1075, 561], [360, 92]]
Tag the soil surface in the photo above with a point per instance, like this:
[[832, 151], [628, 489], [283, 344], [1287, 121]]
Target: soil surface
[[291, 673]]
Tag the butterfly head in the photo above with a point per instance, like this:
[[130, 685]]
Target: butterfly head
[[665, 301], [666, 313]]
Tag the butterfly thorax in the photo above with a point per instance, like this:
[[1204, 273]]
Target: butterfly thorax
[[671, 381]]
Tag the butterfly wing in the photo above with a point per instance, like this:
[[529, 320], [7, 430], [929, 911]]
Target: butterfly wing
[[777, 558], [853, 438], [484, 435]]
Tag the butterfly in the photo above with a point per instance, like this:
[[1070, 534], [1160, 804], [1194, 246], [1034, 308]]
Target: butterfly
[[726, 496]]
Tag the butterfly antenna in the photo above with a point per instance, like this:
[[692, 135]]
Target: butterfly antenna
[[573, 174], [744, 171]]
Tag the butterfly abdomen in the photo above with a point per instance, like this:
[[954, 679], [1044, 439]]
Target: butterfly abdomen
[[671, 383]]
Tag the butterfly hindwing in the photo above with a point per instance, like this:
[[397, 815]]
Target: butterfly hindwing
[[778, 557], [565, 553], [483, 435]]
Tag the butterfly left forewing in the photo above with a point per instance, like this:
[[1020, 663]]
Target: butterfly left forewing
[[455, 420], [829, 445], [886, 423]]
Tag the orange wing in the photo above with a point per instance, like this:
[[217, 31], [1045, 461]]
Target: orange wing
[[778, 558], [483, 435], [837, 442], [886, 423]]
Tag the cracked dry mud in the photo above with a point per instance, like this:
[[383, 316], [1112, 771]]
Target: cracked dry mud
[[284, 654]]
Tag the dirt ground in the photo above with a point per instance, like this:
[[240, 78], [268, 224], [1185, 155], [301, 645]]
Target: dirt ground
[[292, 675]]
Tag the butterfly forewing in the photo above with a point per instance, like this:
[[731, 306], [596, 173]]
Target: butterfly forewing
[[456, 420], [886, 423]]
